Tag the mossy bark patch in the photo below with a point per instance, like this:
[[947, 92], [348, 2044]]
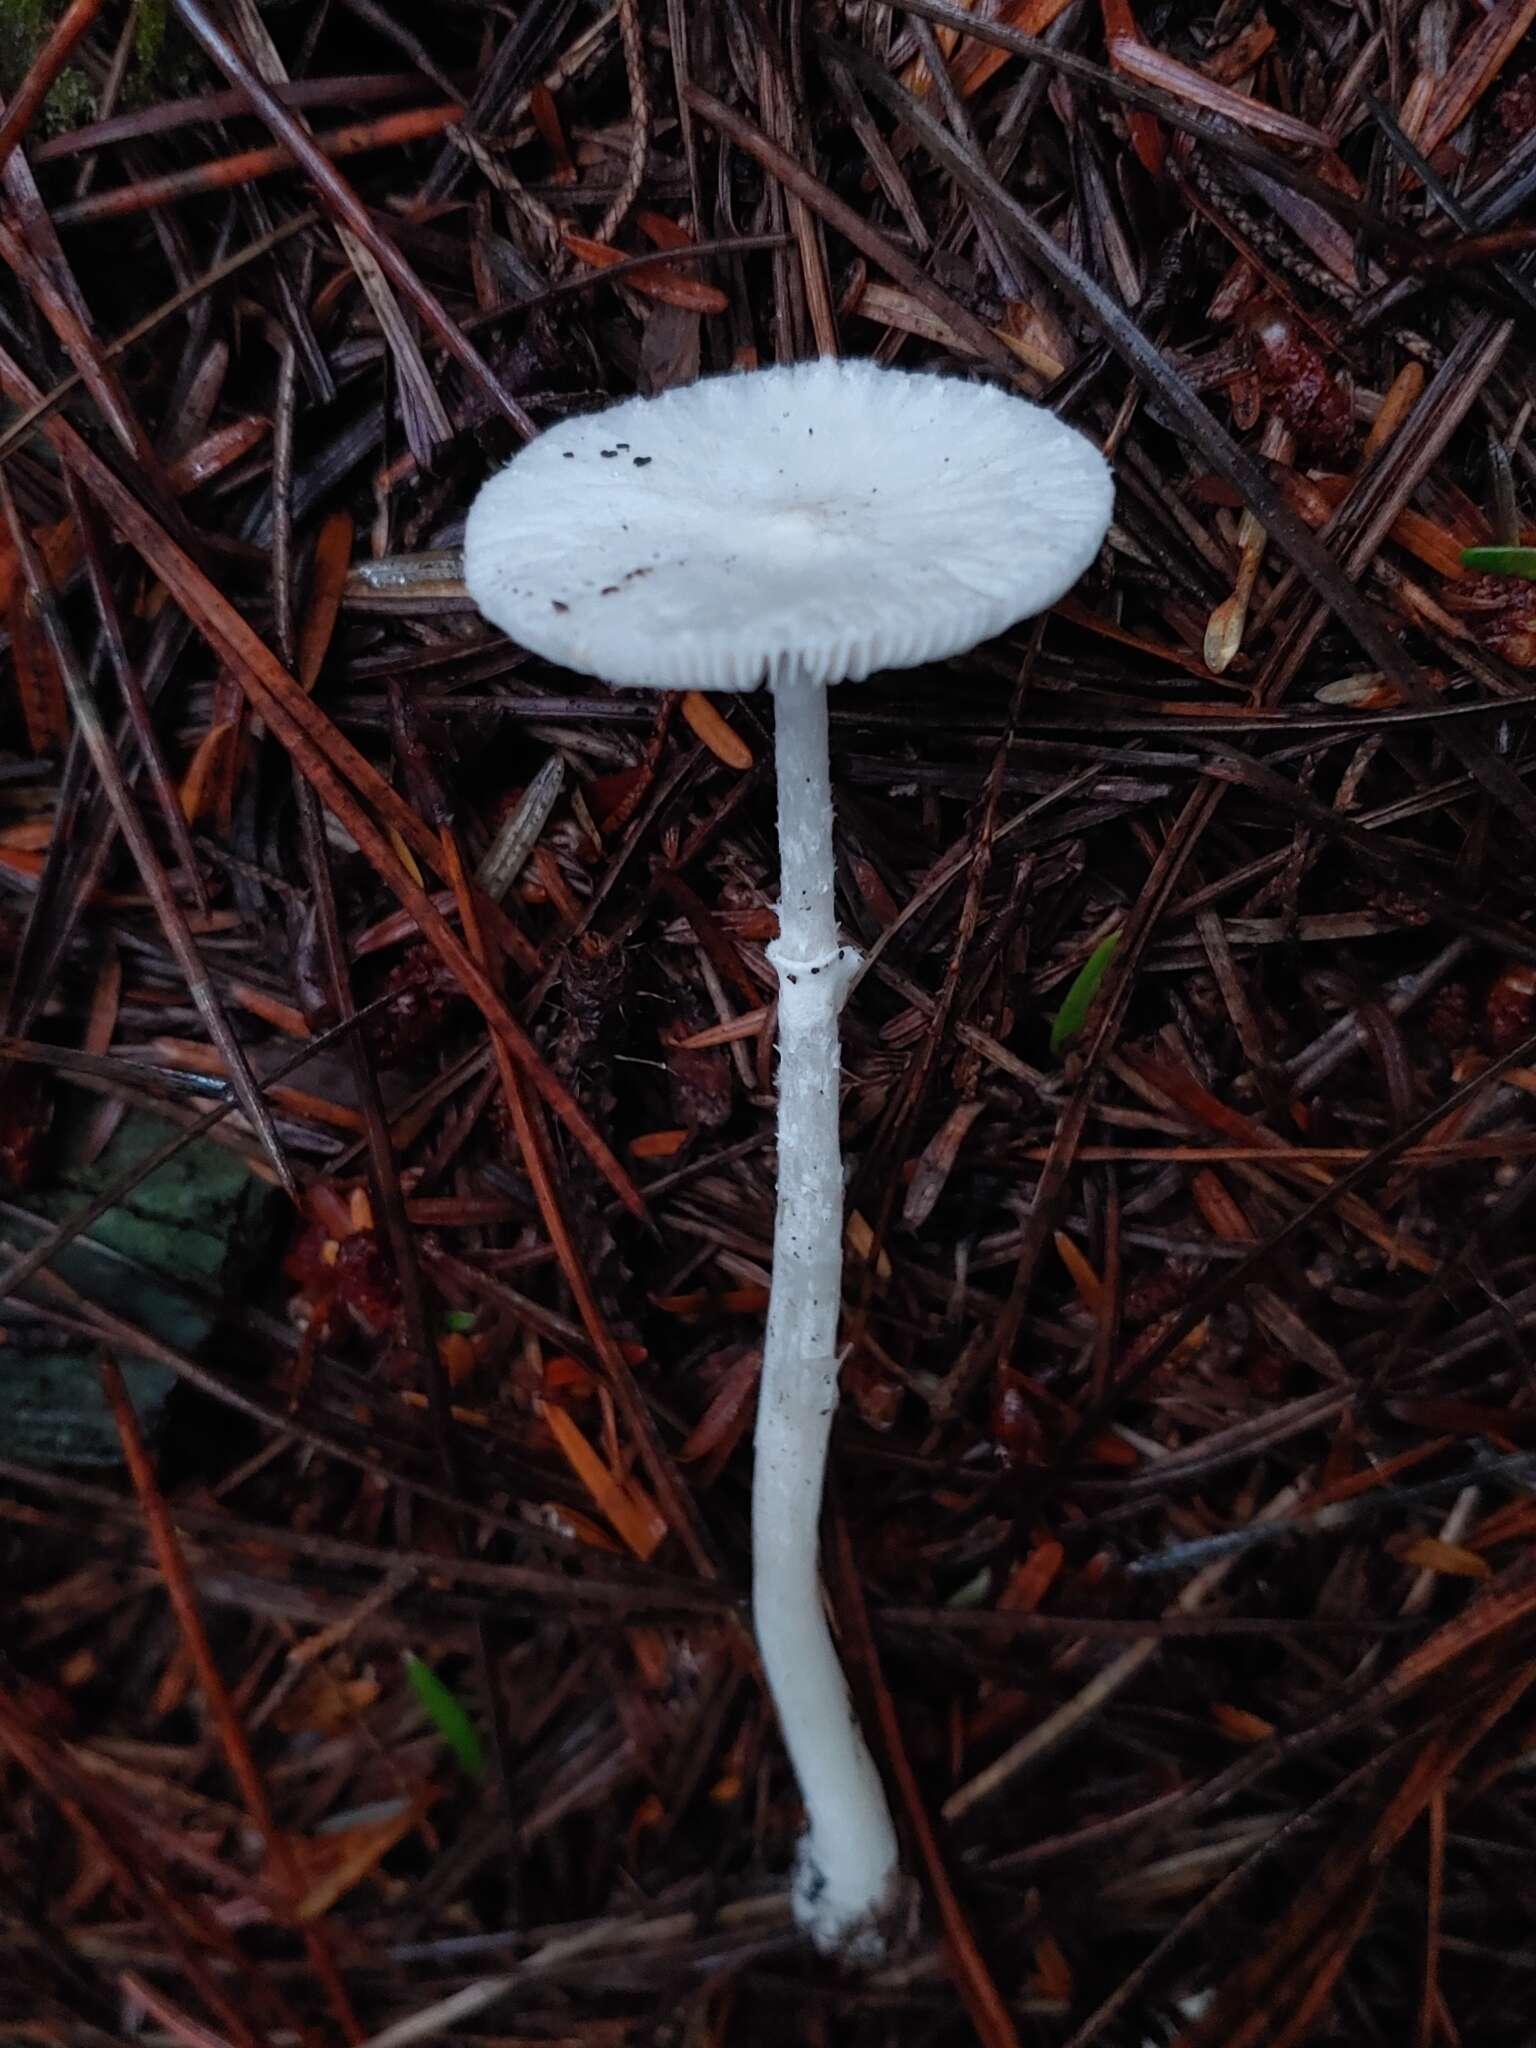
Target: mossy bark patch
[[167, 1260]]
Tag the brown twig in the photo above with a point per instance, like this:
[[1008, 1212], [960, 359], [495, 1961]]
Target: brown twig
[[232, 1739], [173, 922]]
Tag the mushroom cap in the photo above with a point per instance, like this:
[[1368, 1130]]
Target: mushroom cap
[[809, 523]]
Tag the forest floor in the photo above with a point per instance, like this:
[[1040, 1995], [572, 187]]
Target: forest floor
[[387, 1090]]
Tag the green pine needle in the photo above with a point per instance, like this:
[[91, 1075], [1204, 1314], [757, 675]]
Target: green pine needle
[[1501, 561], [1073, 1014], [446, 1714]]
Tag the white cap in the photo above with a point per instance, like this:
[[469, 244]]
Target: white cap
[[814, 522]]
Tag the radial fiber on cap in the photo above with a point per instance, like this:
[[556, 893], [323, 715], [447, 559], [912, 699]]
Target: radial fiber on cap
[[818, 521]]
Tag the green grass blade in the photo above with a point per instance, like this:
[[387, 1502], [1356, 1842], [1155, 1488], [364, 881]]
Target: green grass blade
[[1501, 561], [446, 1714], [1073, 1014]]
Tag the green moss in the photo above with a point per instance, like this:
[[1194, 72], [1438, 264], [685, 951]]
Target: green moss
[[149, 36], [24, 27], [164, 63], [28, 18], [70, 104]]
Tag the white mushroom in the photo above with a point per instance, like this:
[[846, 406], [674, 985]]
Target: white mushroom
[[796, 527]]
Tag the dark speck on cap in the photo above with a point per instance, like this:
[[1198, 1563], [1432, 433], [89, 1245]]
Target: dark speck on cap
[[641, 461]]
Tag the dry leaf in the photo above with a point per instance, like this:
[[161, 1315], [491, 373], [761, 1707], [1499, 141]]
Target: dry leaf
[[333, 1864], [325, 1705], [723, 742], [1240, 1724], [625, 1505], [656, 281], [1431, 1555]]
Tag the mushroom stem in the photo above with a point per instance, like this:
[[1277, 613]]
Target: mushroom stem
[[846, 1873]]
